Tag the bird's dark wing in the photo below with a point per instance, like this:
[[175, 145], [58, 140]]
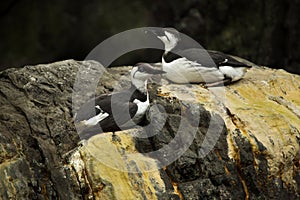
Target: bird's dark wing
[[198, 55], [171, 56], [209, 58], [88, 109], [104, 102], [117, 107], [222, 59], [121, 114]]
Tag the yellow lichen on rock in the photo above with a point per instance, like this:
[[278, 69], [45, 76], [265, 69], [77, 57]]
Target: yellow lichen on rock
[[264, 104], [117, 171], [267, 102]]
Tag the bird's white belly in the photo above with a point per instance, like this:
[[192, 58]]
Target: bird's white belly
[[142, 108], [185, 71], [138, 116]]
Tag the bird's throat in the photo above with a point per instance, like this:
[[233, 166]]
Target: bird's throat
[[140, 85]]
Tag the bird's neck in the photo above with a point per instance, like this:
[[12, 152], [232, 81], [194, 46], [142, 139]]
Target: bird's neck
[[140, 94], [170, 44], [169, 57], [163, 57], [140, 85]]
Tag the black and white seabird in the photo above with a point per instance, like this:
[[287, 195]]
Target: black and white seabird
[[119, 110], [195, 65]]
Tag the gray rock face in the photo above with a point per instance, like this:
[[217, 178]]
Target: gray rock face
[[214, 176], [40, 157]]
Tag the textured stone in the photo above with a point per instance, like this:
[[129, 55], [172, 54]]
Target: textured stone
[[261, 116], [252, 127]]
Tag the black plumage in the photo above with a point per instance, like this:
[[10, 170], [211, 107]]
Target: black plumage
[[119, 110], [119, 106], [207, 58], [194, 64]]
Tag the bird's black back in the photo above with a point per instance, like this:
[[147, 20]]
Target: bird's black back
[[206, 58], [219, 58], [119, 106]]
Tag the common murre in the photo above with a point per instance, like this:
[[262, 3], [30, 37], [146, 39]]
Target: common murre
[[196, 65], [119, 110]]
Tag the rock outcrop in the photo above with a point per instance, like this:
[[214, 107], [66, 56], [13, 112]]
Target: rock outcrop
[[235, 142]]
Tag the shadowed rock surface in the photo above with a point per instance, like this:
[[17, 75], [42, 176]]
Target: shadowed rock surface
[[252, 125]]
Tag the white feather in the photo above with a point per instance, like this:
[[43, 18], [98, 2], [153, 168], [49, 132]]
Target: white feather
[[169, 40], [96, 119], [225, 61], [142, 107], [183, 70], [235, 73]]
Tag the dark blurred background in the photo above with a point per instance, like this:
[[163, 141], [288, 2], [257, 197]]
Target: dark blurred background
[[264, 32]]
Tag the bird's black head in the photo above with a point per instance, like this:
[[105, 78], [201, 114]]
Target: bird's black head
[[159, 32], [140, 73], [143, 71], [169, 36]]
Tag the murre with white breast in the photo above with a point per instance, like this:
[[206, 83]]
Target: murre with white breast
[[119, 110], [196, 65]]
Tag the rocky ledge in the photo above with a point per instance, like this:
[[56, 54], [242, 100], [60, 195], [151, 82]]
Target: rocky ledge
[[235, 142]]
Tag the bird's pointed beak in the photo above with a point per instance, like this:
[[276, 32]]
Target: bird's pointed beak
[[157, 71], [152, 32]]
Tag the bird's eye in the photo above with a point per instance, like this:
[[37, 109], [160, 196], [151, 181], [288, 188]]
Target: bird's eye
[[141, 69]]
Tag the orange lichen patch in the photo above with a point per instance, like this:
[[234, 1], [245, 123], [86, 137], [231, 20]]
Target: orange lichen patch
[[218, 154], [163, 94], [177, 191], [226, 170], [234, 151], [175, 186], [244, 186]]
